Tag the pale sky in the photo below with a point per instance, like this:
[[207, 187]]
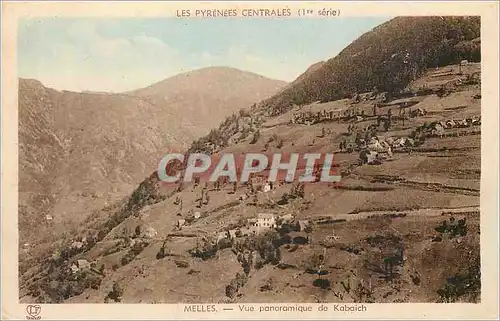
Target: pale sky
[[122, 54]]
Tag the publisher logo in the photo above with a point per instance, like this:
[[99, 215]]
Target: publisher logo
[[33, 312]]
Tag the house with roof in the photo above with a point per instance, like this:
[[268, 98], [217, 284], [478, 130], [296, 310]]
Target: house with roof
[[83, 264], [222, 235], [299, 237], [303, 224], [375, 144], [266, 220]]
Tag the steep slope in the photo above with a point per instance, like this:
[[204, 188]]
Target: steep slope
[[201, 98], [79, 152], [385, 59]]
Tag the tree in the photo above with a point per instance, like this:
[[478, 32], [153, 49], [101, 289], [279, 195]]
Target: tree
[[230, 290], [116, 293], [256, 137]]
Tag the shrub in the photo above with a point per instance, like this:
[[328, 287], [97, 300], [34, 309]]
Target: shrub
[[453, 229], [126, 259], [231, 290], [205, 252], [182, 264], [136, 249], [465, 284], [273, 138], [161, 253], [235, 284], [62, 284], [314, 261], [300, 240], [268, 247], [285, 239], [322, 283], [244, 113]]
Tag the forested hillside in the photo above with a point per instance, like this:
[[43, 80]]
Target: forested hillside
[[385, 59]]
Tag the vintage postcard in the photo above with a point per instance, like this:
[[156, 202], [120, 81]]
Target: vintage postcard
[[250, 160]]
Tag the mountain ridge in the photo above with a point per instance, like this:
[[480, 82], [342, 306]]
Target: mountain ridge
[[79, 152]]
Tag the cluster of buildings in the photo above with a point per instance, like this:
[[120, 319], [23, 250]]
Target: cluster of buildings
[[378, 144], [260, 224], [438, 128]]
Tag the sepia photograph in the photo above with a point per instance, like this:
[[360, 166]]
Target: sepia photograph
[[261, 155]]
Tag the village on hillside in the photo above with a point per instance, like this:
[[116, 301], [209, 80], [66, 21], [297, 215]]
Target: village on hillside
[[401, 119]]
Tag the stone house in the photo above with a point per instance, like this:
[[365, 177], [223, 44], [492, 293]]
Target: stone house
[[266, 220], [287, 218], [303, 224]]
